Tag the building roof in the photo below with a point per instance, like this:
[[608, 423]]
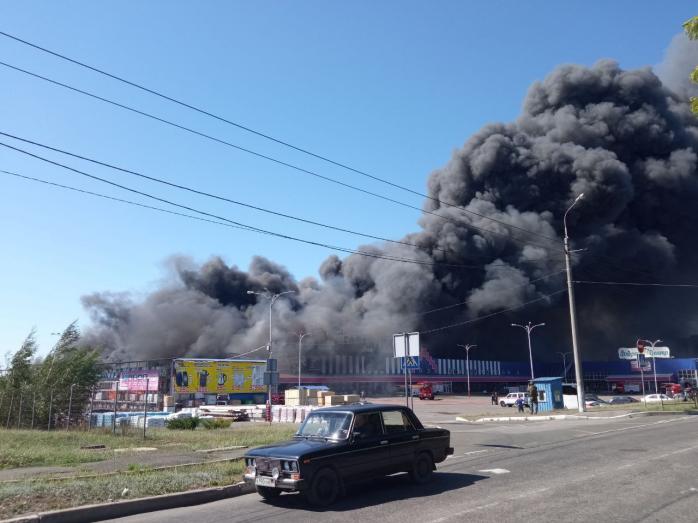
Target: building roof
[[547, 379]]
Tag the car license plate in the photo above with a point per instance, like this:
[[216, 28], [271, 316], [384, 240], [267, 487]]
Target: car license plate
[[265, 482]]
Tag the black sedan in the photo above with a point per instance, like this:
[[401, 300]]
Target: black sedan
[[336, 446]]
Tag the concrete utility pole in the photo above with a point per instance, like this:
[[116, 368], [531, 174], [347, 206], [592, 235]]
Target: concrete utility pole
[[573, 317], [528, 328], [564, 363], [272, 299], [467, 361], [300, 335]]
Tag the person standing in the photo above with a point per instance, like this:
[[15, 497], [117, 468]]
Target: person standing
[[533, 398], [494, 397], [520, 404]]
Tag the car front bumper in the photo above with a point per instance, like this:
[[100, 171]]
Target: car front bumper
[[280, 483]]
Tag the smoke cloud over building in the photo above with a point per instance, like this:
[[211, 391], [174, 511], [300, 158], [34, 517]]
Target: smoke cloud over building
[[622, 137]]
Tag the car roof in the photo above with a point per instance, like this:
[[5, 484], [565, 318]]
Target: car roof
[[360, 407]]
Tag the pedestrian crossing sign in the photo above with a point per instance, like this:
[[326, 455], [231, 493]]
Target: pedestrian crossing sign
[[410, 362]]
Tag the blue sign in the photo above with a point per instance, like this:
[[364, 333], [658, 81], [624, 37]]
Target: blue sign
[[410, 362]]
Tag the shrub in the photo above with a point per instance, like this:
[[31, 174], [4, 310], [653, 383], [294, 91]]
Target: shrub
[[216, 423], [182, 423]]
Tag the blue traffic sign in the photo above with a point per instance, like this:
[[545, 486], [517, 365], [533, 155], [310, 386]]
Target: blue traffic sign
[[410, 362]]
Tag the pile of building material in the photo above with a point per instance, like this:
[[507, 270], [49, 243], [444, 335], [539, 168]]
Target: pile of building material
[[296, 397], [346, 399], [224, 411]]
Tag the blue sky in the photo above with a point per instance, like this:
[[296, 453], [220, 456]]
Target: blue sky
[[389, 87]]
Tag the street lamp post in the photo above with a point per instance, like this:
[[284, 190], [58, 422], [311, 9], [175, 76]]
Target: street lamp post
[[564, 363], [654, 363], [301, 335], [573, 318], [528, 328], [467, 361], [272, 299]]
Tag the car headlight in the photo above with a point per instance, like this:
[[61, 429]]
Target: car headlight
[[286, 466], [275, 473]]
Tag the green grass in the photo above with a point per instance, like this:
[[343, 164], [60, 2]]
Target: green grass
[[25, 448], [36, 496]]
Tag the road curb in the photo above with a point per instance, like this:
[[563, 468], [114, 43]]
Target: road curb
[[118, 509], [562, 417]]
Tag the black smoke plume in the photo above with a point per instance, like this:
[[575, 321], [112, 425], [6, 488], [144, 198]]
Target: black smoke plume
[[622, 137]]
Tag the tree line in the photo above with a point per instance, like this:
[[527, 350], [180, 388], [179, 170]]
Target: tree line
[[40, 392]]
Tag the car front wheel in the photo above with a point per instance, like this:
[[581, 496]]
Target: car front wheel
[[268, 493], [324, 488], [502, 404], [422, 468]]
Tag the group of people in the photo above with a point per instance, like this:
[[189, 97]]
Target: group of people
[[521, 402]]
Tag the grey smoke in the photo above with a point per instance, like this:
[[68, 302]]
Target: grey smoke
[[622, 137], [680, 58]]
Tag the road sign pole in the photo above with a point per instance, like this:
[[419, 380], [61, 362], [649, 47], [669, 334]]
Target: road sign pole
[[407, 352]]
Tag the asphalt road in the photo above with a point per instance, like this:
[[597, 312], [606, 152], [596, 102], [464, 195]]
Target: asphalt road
[[639, 469]]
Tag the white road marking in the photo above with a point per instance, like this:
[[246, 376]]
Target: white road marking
[[495, 471], [474, 452]]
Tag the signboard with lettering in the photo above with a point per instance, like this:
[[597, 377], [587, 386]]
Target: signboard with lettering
[[139, 380], [630, 353]]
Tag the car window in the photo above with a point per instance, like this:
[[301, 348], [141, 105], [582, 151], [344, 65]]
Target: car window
[[396, 421], [367, 425]]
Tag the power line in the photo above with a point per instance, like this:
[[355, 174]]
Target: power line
[[638, 284], [480, 318], [121, 200], [223, 198], [269, 158], [466, 302], [250, 227], [269, 137]]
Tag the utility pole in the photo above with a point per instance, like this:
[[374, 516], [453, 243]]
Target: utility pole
[[272, 299], [579, 378], [564, 363], [300, 335], [467, 361], [528, 328]]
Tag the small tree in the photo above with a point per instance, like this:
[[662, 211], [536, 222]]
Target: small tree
[[691, 28]]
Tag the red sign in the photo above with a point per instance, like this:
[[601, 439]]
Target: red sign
[[640, 346]]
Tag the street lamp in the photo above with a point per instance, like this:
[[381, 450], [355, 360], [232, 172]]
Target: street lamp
[[467, 361], [573, 318], [300, 335], [272, 299], [528, 328], [564, 363], [654, 363]]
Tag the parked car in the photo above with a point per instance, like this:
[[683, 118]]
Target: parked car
[[339, 445], [510, 399], [618, 400], [593, 397], [656, 398]]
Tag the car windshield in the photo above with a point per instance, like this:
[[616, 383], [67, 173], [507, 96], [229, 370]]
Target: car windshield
[[333, 425]]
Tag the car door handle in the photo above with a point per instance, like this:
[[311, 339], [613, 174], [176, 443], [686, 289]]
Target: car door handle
[[415, 436], [384, 442]]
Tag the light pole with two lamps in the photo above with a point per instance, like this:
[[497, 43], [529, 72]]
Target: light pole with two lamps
[[564, 363], [467, 361], [528, 328], [272, 299], [654, 364]]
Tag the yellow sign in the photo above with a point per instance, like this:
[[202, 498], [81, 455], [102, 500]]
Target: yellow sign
[[218, 376]]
